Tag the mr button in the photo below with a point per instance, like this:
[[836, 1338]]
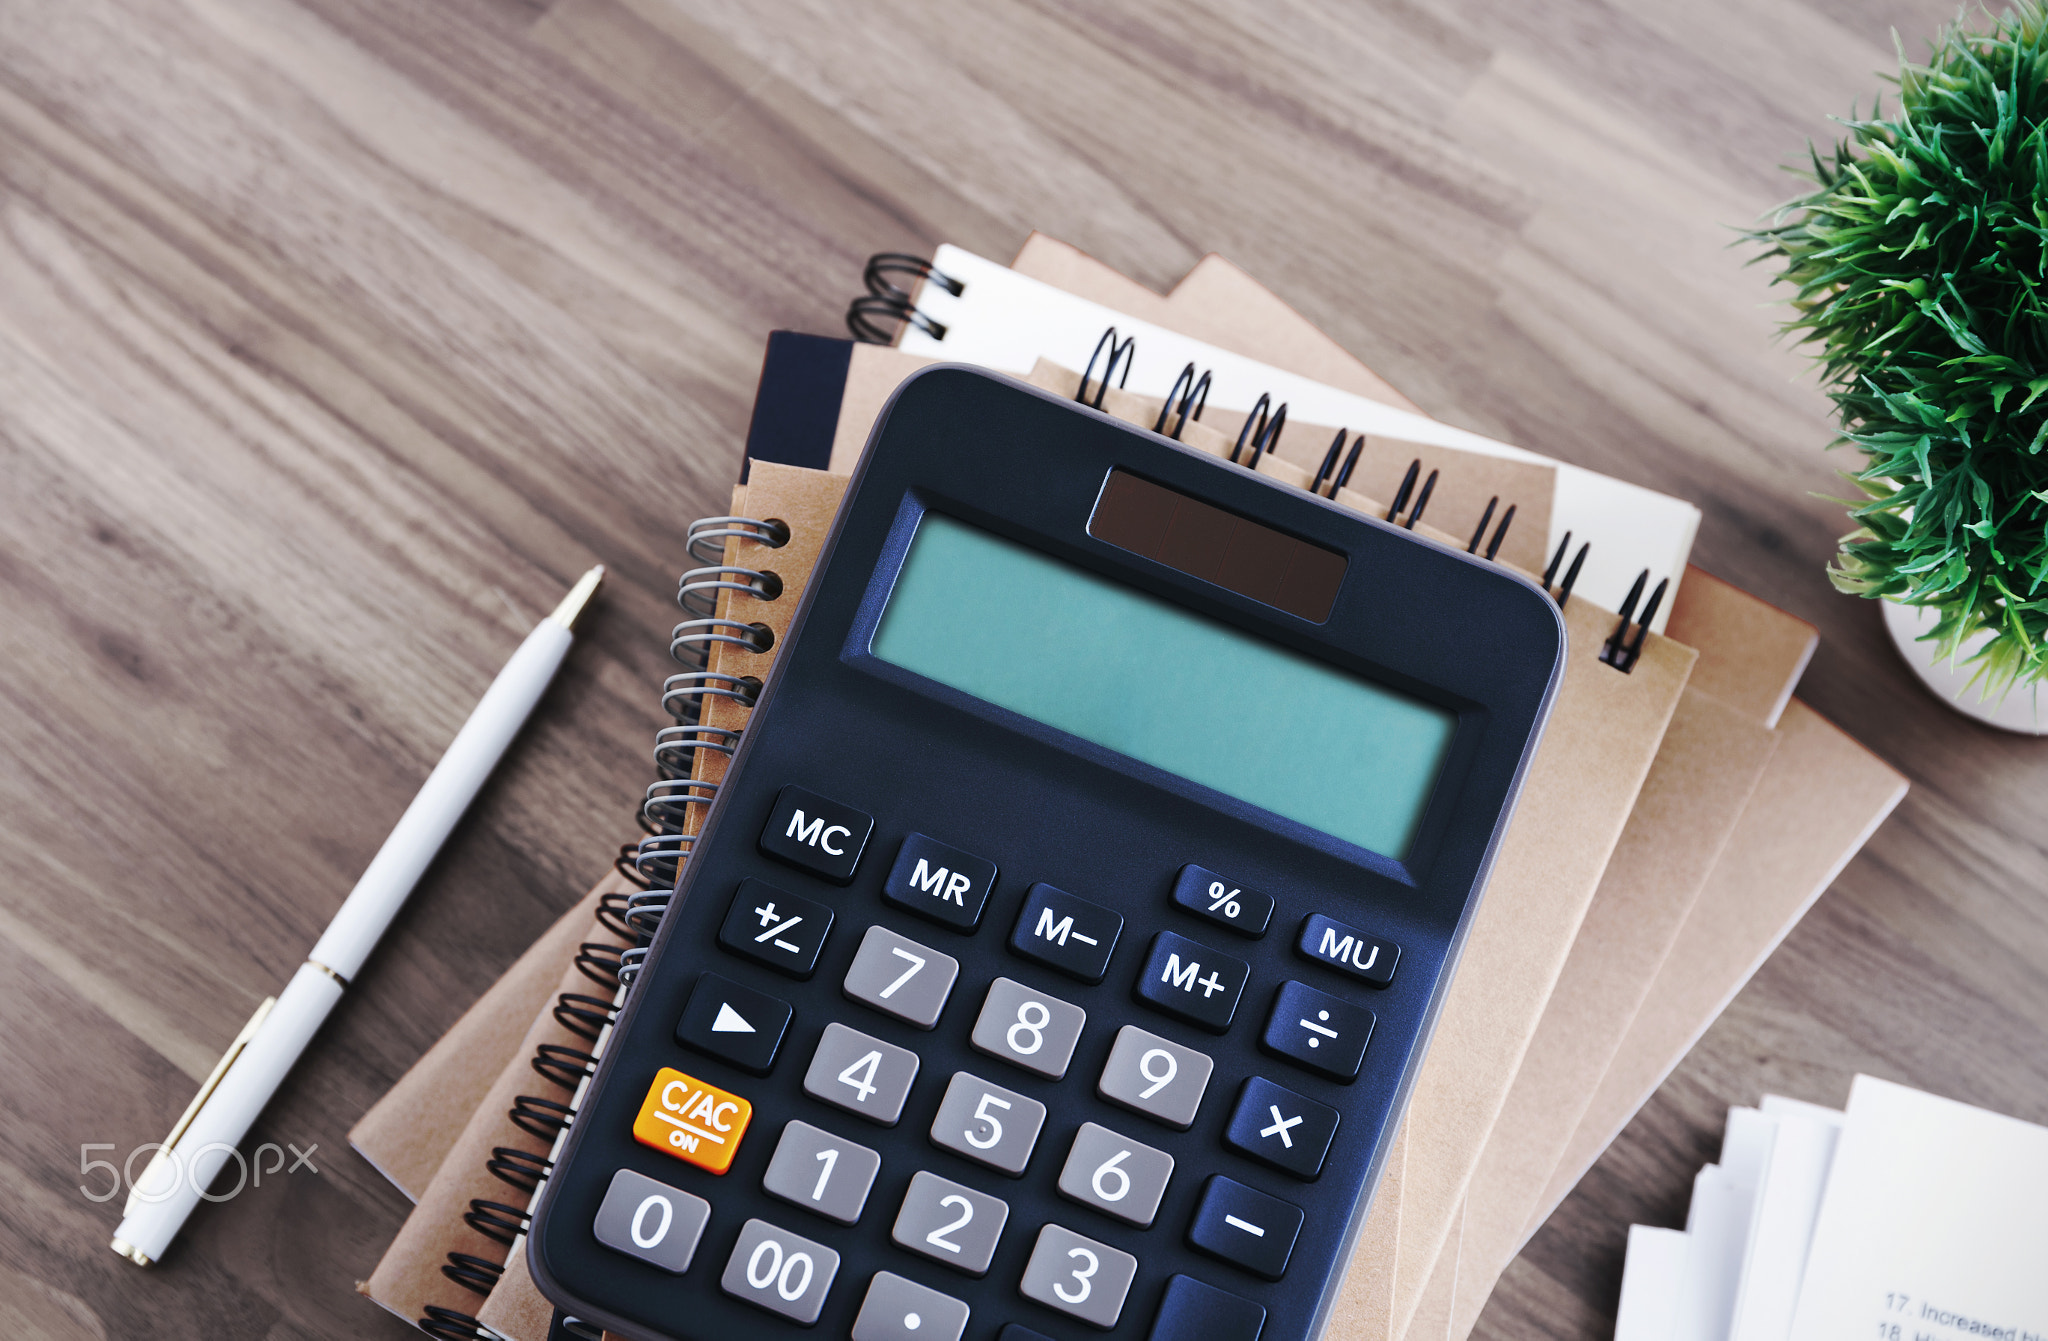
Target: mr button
[[816, 835], [939, 882]]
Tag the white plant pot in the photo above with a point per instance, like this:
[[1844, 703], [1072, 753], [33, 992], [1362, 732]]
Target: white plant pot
[[2019, 710]]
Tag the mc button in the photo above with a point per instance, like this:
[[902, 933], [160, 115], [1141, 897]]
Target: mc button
[[817, 835]]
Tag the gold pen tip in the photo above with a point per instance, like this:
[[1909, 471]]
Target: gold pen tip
[[132, 1253], [579, 597]]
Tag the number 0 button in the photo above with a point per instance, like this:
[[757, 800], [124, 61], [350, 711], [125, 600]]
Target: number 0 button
[[1078, 1276], [988, 1124], [1028, 1028], [782, 1272], [860, 1074], [652, 1221]]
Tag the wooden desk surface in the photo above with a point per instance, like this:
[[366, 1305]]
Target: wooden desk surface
[[337, 336]]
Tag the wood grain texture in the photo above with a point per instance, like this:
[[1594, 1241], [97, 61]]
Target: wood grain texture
[[336, 336]]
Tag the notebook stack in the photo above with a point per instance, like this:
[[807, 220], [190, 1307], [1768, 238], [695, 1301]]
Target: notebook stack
[[1681, 813]]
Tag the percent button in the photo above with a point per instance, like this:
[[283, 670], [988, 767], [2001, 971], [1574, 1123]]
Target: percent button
[[1223, 901]]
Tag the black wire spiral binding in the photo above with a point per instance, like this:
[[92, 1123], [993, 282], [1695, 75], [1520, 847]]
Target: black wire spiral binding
[[1119, 354], [1265, 437], [1500, 532], [521, 1168], [1563, 592], [1402, 495], [1330, 476], [584, 1016], [1188, 391], [566, 1328], [449, 1324], [1621, 650], [472, 1272], [541, 1118], [874, 316], [564, 1065], [599, 962], [496, 1221]]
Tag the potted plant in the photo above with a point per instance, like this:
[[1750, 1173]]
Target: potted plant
[[1920, 264]]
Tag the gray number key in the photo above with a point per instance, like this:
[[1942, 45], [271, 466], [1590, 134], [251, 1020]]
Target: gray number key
[[902, 1310], [1078, 1276], [1028, 1028], [1116, 1175], [1149, 1075], [950, 1223], [651, 1221], [785, 1273], [988, 1124], [822, 1173], [897, 976], [860, 1074]]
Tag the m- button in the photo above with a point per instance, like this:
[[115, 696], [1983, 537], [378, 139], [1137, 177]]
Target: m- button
[[815, 834]]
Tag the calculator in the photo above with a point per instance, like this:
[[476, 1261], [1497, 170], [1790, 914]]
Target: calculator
[[1062, 946]]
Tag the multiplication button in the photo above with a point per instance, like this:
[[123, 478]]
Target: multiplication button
[[902, 1310], [1276, 1126], [785, 1273], [1192, 982], [1324, 1033]]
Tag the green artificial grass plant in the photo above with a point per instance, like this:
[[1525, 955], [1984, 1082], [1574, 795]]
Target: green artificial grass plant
[[1921, 265]]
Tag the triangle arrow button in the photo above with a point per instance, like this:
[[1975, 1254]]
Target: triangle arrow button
[[730, 1021]]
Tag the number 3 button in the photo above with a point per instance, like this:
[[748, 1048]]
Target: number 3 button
[[988, 1124], [1078, 1276]]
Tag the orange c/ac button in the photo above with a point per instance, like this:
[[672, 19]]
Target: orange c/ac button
[[699, 1124]]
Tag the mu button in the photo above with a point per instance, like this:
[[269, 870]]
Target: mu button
[[699, 1124]]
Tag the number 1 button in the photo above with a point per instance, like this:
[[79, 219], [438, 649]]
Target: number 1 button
[[822, 1173]]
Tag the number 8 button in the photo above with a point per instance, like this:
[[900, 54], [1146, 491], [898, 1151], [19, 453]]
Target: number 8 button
[[1026, 1027]]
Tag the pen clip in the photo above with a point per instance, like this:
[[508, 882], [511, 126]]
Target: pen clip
[[206, 1089]]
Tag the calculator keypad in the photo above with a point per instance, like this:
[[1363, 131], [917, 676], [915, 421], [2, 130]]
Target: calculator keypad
[[1192, 982], [785, 1273], [1116, 1175], [1326, 941], [1078, 1276], [897, 976], [699, 1124], [897, 1309], [1196, 1311], [950, 1222], [1063, 932], [988, 1124], [1209, 895], [652, 1221], [861, 1074], [1276, 1126], [816, 834], [1155, 1076], [825, 1174], [1028, 1028]]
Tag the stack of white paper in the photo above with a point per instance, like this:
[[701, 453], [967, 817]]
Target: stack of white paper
[[1918, 1218]]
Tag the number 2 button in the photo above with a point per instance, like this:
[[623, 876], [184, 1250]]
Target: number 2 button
[[860, 1074], [988, 1124], [1028, 1028]]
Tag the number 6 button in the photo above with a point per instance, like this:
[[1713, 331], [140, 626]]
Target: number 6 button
[[988, 1124], [1078, 1276], [1116, 1175], [1028, 1028]]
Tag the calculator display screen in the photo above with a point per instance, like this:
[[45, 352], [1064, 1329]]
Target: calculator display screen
[[1195, 697]]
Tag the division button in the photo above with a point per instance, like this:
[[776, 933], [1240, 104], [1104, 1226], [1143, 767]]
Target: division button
[[785, 1273], [988, 1124], [825, 1174], [861, 1074], [1226, 903], [734, 1023], [902, 1310], [1191, 982], [815, 834], [939, 882], [1154, 1076], [1028, 1028], [1245, 1227], [1078, 1276], [652, 1221], [774, 928], [699, 1124], [1060, 931], [1324, 1033], [1193, 1311], [1116, 1175], [897, 976], [1328, 942], [1276, 1126], [950, 1223]]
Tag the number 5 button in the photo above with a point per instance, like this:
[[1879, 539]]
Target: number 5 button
[[988, 1124], [1078, 1276]]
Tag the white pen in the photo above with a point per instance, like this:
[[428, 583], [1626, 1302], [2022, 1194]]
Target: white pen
[[256, 1062]]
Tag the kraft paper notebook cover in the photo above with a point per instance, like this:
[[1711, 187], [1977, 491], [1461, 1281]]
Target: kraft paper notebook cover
[[1820, 799]]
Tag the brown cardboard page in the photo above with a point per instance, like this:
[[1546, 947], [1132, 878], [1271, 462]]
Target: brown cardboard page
[[1432, 1321], [516, 1309], [1365, 1302], [1216, 302], [1709, 763], [872, 373], [1755, 643], [1821, 797], [407, 1133], [1603, 733], [408, 1278]]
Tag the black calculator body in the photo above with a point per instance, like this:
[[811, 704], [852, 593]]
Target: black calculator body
[[1061, 949]]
